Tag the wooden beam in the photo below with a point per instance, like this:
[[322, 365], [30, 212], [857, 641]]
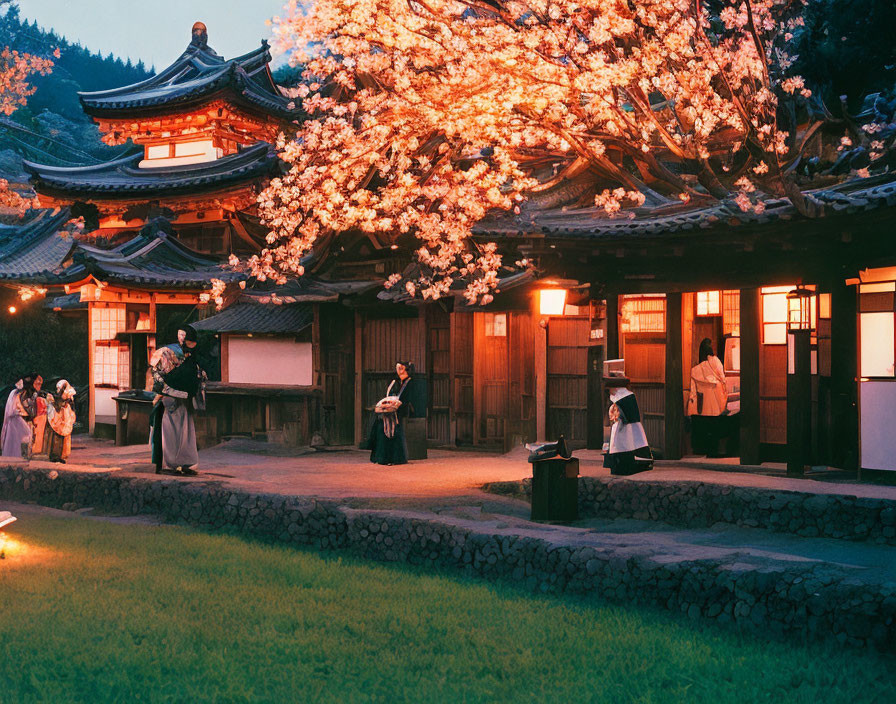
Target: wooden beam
[[750, 336], [674, 411], [612, 325]]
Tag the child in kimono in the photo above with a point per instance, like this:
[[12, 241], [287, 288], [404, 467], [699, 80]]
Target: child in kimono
[[629, 451], [60, 422]]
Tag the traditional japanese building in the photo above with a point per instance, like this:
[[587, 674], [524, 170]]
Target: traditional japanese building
[[202, 129], [160, 221], [755, 285]]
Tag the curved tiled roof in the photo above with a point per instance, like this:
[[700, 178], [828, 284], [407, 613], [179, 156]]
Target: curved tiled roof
[[46, 254], [593, 223], [122, 178], [254, 318], [36, 251], [197, 76]]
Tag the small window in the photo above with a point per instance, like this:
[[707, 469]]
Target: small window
[[196, 148], [708, 303], [824, 306], [496, 325], [643, 314], [111, 365], [158, 151], [878, 354]]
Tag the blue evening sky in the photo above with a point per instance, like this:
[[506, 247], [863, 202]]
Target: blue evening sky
[[156, 31]]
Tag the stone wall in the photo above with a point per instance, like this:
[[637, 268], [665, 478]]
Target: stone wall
[[699, 505], [793, 600]]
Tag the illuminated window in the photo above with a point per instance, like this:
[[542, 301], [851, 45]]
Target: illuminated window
[[731, 313], [643, 314], [158, 151], [824, 306], [708, 303], [496, 325], [111, 365], [193, 148], [106, 321], [877, 334]]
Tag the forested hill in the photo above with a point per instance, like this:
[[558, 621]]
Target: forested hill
[[53, 128]]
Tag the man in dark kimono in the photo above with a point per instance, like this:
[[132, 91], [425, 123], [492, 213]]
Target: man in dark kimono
[[180, 390], [629, 451]]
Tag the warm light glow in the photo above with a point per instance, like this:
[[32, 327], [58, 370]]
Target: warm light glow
[[12, 310], [708, 303], [552, 301]]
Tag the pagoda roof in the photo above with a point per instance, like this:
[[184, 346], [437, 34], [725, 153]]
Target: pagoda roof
[[46, 254], [123, 179], [198, 76]]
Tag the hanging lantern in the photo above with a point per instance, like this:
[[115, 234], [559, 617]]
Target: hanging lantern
[[799, 308]]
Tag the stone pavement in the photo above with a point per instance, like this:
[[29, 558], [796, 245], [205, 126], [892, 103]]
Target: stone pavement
[[339, 474]]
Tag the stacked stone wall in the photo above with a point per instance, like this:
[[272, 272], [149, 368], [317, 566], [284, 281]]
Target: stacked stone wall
[[698, 505], [809, 602]]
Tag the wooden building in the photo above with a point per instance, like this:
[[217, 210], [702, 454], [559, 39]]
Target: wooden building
[[671, 277]]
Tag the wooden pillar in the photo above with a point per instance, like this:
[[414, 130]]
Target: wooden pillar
[[359, 381], [452, 379], [674, 412], [844, 372], [91, 381], [750, 330], [541, 378], [612, 326]]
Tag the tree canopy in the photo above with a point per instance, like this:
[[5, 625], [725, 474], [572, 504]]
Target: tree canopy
[[426, 114]]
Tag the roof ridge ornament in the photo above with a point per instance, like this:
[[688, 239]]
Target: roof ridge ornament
[[200, 35]]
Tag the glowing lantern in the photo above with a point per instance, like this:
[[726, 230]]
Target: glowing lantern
[[552, 301], [799, 309]]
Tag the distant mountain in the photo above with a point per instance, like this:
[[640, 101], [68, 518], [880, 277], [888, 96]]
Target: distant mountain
[[53, 128]]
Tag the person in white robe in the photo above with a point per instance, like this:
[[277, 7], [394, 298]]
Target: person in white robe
[[628, 451], [17, 435]]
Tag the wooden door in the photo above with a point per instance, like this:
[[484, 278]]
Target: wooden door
[[567, 379], [384, 342], [338, 367], [645, 365], [520, 426], [462, 377], [438, 332], [491, 377]]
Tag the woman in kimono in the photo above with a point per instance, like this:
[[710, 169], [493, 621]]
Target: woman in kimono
[[180, 389], [39, 423], [60, 422], [387, 443], [708, 399], [628, 441], [21, 408]]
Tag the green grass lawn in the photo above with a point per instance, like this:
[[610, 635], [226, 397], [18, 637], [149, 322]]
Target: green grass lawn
[[92, 611]]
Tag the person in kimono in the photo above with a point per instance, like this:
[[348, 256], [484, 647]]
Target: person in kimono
[[21, 408], [39, 423], [60, 422], [707, 401], [628, 441], [179, 386], [387, 442]]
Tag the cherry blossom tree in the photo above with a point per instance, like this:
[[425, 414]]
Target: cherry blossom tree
[[426, 114], [15, 70]]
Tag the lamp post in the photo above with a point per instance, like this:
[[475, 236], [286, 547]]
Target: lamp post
[[799, 381]]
